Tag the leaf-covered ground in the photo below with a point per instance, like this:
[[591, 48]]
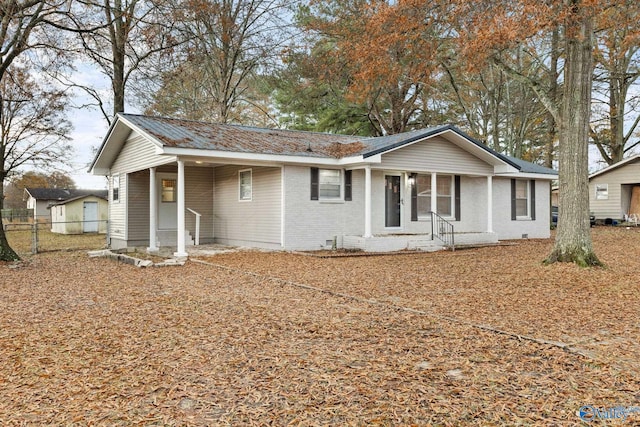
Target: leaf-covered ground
[[256, 338]]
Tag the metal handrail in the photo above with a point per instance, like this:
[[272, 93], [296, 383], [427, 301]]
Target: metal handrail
[[443, 230]]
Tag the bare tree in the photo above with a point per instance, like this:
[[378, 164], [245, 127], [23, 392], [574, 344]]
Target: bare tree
[[617, 106], [228, 45], [30, 115], [125, 35], [33, 130]]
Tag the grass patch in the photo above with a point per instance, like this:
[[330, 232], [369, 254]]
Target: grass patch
[[21, 241]]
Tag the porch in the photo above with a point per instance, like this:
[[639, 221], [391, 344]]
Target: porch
[[415, 242]]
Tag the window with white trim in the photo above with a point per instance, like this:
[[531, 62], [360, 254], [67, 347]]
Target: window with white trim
[[445, 195], [602, 191], [329, 184], [168, 191], [115, 188], [522, 199], [245, 185]]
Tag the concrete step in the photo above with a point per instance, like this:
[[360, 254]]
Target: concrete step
[[426, 245]]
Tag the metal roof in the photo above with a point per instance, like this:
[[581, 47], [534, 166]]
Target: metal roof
[[187, 134], [245, 139]]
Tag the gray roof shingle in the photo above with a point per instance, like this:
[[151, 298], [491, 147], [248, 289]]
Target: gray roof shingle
[[61, 194]]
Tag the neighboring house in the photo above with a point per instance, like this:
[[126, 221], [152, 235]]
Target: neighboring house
[[614, 192], [81, 214], [40, 199], [298, 190]]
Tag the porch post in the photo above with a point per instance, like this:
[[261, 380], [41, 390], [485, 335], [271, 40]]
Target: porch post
[[434, 193], [181, 224], [153, 211], [367, 201], [489, 204]]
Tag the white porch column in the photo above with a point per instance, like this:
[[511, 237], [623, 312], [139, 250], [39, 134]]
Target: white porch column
[[489, 204], [153, 211], [434, 193], [181, 224], [367, 201]]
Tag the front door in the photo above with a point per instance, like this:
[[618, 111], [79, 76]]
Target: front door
[[392, 200], [167, 201], [90, 217]]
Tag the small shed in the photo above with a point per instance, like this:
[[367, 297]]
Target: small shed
[[41, 199], [81, 214], [614, 192]]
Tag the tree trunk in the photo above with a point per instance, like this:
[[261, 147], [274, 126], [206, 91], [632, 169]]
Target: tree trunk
[[573, 239], [6, 253]]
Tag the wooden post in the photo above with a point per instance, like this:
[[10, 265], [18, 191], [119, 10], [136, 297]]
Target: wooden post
[[34, 238]]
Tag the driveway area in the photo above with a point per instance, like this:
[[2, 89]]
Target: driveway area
[[485, 336]]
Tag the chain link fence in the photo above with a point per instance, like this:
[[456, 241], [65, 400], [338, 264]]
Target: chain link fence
[[31, 237]]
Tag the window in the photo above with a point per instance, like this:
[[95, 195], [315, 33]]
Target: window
[[115, 188], [444, 195], [326, 184], [329, 183], [444, 202], [168, 191], [244, 182], [523, 199], [602, 191]]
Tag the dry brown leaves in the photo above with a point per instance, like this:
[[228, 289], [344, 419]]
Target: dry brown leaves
[[95, 342]]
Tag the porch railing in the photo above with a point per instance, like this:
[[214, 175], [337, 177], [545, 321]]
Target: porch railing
[[442, 230], [197, 236]]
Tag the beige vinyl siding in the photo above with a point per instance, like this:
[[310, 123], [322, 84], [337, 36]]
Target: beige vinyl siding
[[256, 222], [117, 209], [137, 153], [435, 155], [138, 207], [620, 182], [199, 197]]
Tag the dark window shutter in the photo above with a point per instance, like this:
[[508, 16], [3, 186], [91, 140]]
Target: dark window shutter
[[457, 196], [414, 197], [532, 186], [513, 199], [348, 194], [315, 185]]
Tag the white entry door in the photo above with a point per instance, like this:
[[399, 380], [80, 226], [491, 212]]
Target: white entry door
[[90, 217], [167, 201]]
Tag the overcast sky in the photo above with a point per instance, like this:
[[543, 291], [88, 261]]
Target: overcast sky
[[90, 128]]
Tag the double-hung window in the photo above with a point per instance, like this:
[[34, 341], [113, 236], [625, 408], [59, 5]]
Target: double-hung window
[[329, 184], [115, 188], [523, 199], [444, 195], [245, 184], [326, 184]]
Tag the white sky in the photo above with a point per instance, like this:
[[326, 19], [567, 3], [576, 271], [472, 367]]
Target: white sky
[[90, 128]]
